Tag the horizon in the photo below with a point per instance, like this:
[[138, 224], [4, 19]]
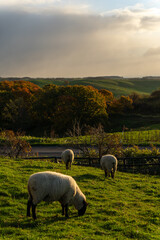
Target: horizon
[[75, 39], [85, 77]]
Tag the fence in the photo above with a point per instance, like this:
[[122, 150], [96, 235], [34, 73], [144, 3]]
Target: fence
[[146, 165]]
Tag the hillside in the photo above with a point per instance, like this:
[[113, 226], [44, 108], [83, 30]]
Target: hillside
[[117, 85], [124, 208]]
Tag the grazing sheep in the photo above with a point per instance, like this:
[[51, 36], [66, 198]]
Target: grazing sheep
[[68, 157], [109, 164], [51, 186]]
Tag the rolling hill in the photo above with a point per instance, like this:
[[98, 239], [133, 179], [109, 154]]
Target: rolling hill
[[117, 85]]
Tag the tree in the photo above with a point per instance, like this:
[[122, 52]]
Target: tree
[[17, 99], [16, 114], [57, 107], [90, 104], [96, 142], [108, 96], [121, 105]]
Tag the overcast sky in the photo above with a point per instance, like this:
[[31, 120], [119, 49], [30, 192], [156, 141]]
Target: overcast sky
[[72, 38]]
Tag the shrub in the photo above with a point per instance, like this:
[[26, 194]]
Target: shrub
[[135, 151], [13, 144]]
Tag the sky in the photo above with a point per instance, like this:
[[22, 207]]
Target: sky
[[72, 38]]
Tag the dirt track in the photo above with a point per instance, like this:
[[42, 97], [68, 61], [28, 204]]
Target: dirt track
[[49, 150]]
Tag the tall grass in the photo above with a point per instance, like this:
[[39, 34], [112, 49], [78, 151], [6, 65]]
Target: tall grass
[[125, 208], [141, 137]]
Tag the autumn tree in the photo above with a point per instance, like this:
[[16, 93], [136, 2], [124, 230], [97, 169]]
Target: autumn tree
[[17, 103], [58, 106], [90, 104], [121, 105], [108, 96], [15, 114]]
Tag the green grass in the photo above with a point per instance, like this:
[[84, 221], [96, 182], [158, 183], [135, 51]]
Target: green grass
[[139, 137], [127, 207]]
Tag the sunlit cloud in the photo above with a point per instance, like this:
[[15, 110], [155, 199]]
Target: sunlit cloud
[[70, 40], [24, 2]]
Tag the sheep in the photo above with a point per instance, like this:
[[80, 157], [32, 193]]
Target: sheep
[[52, 186], [67, 157], [109, 164]]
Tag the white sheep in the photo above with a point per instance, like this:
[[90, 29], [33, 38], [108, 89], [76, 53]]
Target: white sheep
[[67, 157], [109, 164], [52, 186]]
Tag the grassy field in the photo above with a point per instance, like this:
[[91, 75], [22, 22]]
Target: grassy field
[[127, 207], [143, 137]]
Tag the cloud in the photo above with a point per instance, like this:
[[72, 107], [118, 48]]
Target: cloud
[[19, 2], [62, 42], [152, 52], [137, 17], [46, 6]]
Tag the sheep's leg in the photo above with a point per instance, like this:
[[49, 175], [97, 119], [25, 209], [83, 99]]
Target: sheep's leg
[[112, 174], [62, 209], [34, 211], [66, 210], [29, 204], [106, 174], [66, 165]]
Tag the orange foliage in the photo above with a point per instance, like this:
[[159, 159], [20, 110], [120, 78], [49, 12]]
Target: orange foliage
[[123, 104], [19, 88]]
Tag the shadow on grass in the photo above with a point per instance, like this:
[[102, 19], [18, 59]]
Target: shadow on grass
[[87, 177], [29, 223]]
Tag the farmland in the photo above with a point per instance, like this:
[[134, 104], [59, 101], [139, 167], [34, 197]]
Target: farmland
[[124, 208], [143, 137]]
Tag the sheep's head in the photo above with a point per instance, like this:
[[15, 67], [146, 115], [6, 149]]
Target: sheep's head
[[81, 212]]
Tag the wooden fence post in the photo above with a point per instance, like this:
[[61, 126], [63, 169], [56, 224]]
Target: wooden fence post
[[124, 164]]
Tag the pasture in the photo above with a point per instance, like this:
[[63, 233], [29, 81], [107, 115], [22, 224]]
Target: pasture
[[127, 207], [137, 137]]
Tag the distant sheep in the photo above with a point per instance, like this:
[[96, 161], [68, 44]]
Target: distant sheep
[[52, 186], [68, 157], [109, 164]]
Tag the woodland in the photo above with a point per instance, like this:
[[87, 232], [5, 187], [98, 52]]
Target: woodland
[[52, 110]]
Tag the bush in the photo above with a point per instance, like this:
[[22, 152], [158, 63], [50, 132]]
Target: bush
[[135, 151], [13, 144]]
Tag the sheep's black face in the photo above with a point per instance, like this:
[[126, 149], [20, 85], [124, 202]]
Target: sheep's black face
[[81, 212]]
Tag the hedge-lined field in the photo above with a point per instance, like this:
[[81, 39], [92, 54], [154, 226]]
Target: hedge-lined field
[[127, 207], [143, 137]]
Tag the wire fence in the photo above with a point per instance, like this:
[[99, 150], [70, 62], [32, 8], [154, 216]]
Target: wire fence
[[145, 165]]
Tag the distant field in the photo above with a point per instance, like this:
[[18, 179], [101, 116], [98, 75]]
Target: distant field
[[127, 207], [119, 86], [143, 137]]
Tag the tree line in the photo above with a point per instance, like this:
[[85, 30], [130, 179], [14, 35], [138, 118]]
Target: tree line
[[55, 109]]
